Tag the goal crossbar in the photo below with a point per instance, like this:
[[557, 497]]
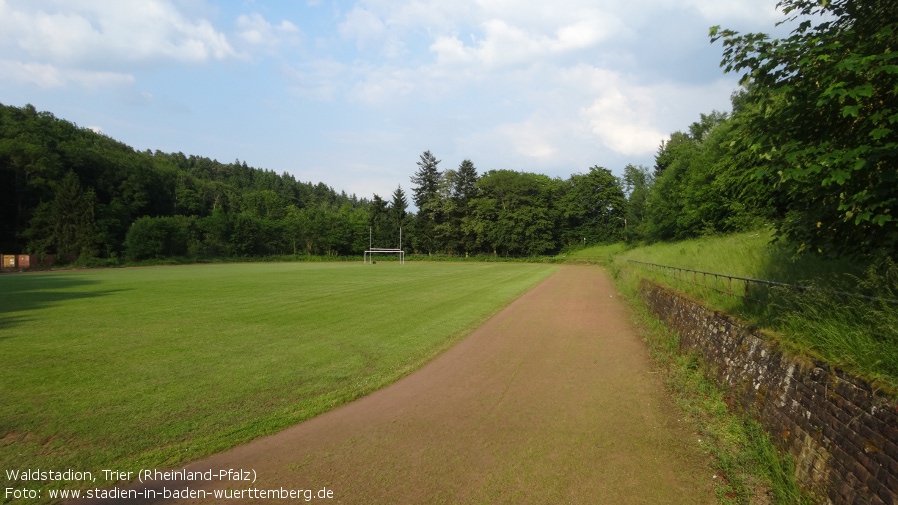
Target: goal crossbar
[[369, 254], [382, 250]]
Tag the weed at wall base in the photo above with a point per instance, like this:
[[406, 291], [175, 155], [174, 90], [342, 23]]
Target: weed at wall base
[[748, 468]]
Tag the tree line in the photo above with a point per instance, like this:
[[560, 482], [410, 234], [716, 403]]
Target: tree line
[[502, 212], [810, 147], [73, 192], [79, 194]]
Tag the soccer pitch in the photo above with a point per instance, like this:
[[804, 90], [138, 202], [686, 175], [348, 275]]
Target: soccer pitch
[[148, 367]]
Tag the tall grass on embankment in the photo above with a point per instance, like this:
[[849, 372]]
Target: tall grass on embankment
[[602, 253], [821, 320]]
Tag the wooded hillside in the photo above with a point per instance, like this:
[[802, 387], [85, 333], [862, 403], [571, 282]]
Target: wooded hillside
[[71, 191], [810, 147]]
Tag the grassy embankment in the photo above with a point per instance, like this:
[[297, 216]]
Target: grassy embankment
[[855, 334], [140, 368]]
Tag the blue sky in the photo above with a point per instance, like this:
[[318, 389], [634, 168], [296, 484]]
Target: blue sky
[[350, 93]]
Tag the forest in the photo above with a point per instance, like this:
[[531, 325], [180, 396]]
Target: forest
[[78, 194], [809, 148]]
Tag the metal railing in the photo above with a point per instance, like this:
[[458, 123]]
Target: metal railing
[[749, 280]]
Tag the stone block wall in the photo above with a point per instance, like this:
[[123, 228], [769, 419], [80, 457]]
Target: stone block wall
[[842, 433]]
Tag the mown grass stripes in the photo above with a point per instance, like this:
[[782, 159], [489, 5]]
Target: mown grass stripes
[[127, 368]]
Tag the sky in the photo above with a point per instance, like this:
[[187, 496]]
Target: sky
[[351, 93]]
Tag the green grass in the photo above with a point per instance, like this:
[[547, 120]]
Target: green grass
[[596, 254], [856, 335], [749, 468], [144, 367], [751, 254]]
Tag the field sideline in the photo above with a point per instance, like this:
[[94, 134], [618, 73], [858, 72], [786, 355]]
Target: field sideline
[[148, 367]]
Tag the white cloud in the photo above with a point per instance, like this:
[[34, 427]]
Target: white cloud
[[554, 61], [41, 75], [581, 35], [504, 44], [256, 30], [545, 86], [319, 80], [579, 120], [97, 32], [45, 75], [499, 26], [759, 12], [529, 138], [620, 114], [544, 60], [406, 16], [362, 25], [507, 45], [370, 31], [623, 123], [630, 118], [383, 84]]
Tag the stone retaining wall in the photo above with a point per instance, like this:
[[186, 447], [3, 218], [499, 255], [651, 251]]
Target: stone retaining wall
[[842, 433]]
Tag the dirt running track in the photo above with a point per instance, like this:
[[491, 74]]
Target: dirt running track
[[551, 401]]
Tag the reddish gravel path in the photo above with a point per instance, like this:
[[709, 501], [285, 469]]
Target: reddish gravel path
[[551, 401]]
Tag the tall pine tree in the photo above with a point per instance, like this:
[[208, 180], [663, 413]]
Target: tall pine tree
[[426, 197], [464, 190]]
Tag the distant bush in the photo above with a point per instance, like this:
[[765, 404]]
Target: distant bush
[[156, 237]]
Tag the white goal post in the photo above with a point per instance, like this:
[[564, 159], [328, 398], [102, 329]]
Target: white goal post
[[369, 254]]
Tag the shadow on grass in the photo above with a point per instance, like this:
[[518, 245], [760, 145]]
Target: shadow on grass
[[24, 292], [8, 322]]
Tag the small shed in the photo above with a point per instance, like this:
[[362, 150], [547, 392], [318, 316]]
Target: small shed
[[25, 262], [9, 262]]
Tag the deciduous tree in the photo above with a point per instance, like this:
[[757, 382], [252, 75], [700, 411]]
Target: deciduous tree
[[826, 119]]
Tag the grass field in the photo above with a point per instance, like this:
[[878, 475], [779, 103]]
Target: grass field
[[858, 335], [147, 367]]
